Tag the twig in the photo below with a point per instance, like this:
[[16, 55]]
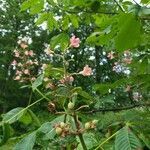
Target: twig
[[121, 8], [80, 135], [117, 109]]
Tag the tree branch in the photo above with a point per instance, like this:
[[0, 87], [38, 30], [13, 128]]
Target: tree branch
[[121, 8], [118, 109]]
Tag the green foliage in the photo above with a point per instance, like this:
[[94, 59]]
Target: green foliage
[[102, 26], [35, 6], [26, 143], [129, 32], [125, 139], [13, 115], [61, 40], [37, 82]]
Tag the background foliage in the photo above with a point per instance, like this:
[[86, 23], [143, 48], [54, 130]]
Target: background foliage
[[102, 26]]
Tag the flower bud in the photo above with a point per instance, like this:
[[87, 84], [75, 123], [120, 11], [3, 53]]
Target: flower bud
[[95, 122], [70, 105], [87, 125], [62, 124], [58, 130]]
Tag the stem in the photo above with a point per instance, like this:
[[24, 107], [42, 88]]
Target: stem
[[121, 8], [99, 146], [42, 94], [30, 98], [24, 109], [80, 135]]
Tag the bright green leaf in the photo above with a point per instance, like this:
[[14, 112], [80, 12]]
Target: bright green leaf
[[61, 40]]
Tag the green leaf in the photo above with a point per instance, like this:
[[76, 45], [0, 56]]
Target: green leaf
[[13, 115], [26, 143], [144, 11], [25, 5], [126, 140], [62, 40], [37, 7], [37, 82], [43, 17], [65, 23], [34, 118], [129, 32], [144, 1], [74, 20], [145, 140], [51, 22], [6, 133], [89, 139], [102, 88], [85, 95], [26, 118], [48, 129]]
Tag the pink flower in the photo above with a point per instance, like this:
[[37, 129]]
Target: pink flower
[[50, 85], [62, 81], [17, 78], [110, 55], [29, 62], [67, 79], [127, 60], [23, 45], [14, 63], [74, 42], [16, 53], [26, 53], [31, 53], [26, 71], [87, 71], [18, 72], [33, 79], [71, 79]]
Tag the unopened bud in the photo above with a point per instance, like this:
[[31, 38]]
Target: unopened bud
[[87, 125], [95, 122], [70, 105], [62, 124], [58, 130]]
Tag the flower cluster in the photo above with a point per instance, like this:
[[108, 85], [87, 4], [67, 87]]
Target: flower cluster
[[62, 129], [24, 63]]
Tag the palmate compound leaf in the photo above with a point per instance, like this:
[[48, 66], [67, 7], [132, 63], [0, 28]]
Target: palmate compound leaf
[[47, 129], [126, 140]]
